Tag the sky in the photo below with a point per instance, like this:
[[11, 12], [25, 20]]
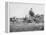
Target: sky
[[20, 10]]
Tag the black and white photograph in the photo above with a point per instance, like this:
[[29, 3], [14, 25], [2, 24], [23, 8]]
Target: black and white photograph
[[25, 16]]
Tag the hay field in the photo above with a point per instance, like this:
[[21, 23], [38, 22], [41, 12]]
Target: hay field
[[17, 27]]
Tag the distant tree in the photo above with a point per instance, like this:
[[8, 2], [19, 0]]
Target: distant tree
[[36, 19], [41, 18], [31, 13], [25, 18], [37, 16], [11, 19]]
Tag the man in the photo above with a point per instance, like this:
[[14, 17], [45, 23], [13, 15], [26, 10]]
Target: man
[[31, 12]]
